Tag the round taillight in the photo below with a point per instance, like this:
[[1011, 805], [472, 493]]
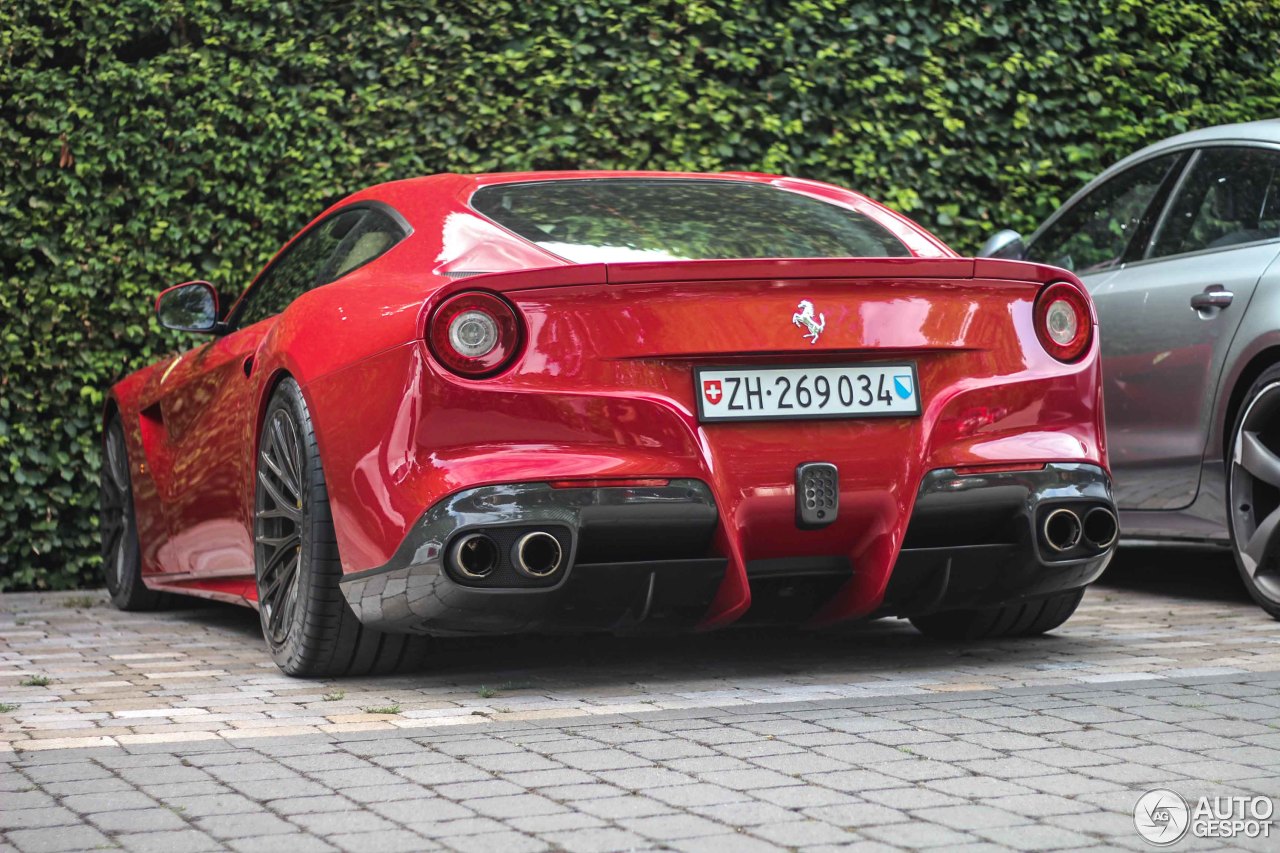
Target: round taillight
[[1064, 323], [474, 334]]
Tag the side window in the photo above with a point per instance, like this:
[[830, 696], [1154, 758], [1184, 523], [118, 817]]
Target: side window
[[298, 270], [374, 234], [1093, 235], [1231, 196]]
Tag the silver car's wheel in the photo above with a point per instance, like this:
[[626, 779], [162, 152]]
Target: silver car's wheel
[[1253, 492]]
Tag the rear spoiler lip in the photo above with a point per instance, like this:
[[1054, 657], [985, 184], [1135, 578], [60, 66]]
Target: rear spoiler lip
[[662, 272]]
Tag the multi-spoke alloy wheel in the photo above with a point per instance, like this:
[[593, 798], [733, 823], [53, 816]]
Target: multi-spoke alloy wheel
[[1253, 493], [118, 526], [278, 520], [305, 618]]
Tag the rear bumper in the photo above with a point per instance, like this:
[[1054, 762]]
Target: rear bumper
[[639, 557]]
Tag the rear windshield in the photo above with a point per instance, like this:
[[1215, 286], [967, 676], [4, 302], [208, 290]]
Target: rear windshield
[[656, 219]]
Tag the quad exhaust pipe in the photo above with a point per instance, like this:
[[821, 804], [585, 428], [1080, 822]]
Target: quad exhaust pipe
[[537, 554], [1101, 529], [475, 555], [1064, 529]]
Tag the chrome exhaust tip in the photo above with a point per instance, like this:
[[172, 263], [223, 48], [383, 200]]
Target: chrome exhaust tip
[[1062, 529], [1101, 529], [537, 554], [475, 555]]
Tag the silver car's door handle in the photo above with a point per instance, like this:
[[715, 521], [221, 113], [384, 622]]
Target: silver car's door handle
[[1214, 296]]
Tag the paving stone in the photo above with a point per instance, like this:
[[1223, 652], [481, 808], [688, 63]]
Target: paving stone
[[973, 817], [802, 833], [911, 798], [308, 805], [92, 786], [918, 835], [468, 791], [216, 804], [385, 841], [560, 822], [225, 826], [801, 796], [58, 838], [726, 842], [697, 794], [518, 805], [137, 820], [747, 813], [327, 824], [280, 844], [856, 815], [612, 808], [649, 778], [666, 828], [186, 840], [1037, 805], [35, 818], [445, 773], [596, 840], [1036, 837]]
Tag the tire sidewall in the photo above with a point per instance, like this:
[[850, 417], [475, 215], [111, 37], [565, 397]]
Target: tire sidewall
[[1269, 376], [287, 396], [131, 574]]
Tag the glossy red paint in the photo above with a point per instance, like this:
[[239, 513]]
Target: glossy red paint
[[602, 389]]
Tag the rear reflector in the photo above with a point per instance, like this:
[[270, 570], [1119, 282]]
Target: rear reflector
[[642, 483]]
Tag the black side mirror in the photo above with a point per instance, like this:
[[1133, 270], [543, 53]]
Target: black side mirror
[[189, 307], [1004, 244]]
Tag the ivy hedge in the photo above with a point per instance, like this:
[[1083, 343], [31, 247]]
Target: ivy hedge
[[145, 142]]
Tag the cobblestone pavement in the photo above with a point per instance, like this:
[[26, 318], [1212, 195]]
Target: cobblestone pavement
[[174, 731]]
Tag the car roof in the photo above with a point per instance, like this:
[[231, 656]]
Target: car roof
[[1266, 130]]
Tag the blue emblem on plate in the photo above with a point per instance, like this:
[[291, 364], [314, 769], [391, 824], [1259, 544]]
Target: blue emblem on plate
[[902, 384]]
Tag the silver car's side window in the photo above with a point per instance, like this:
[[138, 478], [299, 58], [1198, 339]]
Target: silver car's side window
[[1230, 197], [1094, 233]]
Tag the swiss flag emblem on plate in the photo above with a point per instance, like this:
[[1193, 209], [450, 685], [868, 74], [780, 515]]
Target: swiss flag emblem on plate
[[712, 390]]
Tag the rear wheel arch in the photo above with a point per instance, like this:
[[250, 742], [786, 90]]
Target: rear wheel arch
[[311, 631], [1256, 366], [265, 394]]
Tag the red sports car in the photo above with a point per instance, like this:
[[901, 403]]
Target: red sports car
[[613, 401]]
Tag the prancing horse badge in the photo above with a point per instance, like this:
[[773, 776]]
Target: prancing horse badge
[[804, 318]]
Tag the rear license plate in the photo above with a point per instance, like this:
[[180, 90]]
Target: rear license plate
[[776, 393]]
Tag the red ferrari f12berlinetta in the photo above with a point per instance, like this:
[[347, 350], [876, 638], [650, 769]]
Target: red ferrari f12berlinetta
[[611, 401]]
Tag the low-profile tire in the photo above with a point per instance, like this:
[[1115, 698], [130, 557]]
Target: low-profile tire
[[1253, 490], [307, 623], [118, 527], [1024, 619]]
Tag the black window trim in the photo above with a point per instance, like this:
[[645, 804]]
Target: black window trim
[[230, 324]]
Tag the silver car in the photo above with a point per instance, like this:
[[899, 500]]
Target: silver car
[[1180, 246]]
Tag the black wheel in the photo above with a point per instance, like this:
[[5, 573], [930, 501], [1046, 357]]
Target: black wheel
[[117, 524], [306, 621], [1025, 619], [1253, 491]]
